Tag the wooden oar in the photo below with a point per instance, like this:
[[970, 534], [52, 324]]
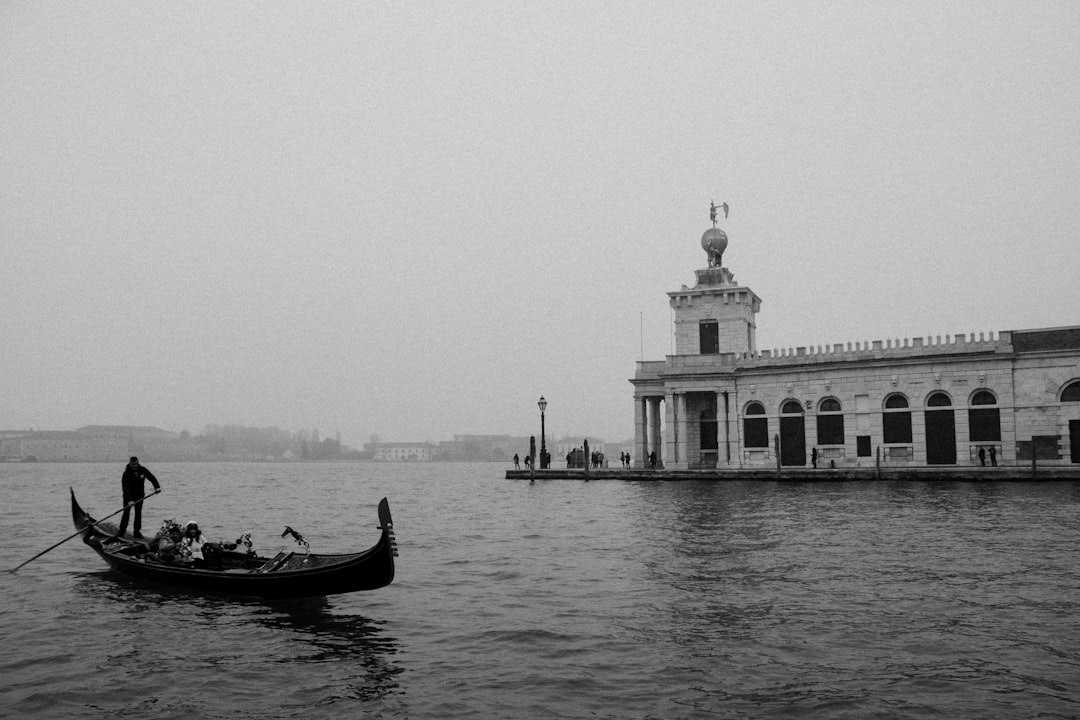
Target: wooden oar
[[80, 532]]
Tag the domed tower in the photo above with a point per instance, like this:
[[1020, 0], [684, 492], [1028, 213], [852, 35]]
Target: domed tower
[[716, 316]]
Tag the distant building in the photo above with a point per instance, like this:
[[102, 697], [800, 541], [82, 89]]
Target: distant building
[[47, 446], [98, 443], [720, 402], [401, 452]]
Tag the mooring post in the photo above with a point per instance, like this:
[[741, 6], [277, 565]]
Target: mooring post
[[586, 457], [776, 446], [532, 458], [877, 463]]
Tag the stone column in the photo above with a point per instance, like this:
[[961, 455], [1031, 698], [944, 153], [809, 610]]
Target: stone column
[[721, 432], [681, 431], [641, 433], [672, 439], [657, 440]]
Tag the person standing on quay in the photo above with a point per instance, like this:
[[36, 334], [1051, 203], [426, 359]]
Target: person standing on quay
[[133, 483]]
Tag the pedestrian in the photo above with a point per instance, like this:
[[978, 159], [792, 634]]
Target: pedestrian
[[982, 457], [134, 487], [652, 460], [993, 456], [517, 463], [813, 457]]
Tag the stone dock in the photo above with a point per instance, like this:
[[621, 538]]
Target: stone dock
[[789, 474]]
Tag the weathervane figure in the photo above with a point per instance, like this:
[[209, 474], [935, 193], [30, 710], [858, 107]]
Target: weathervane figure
[[713, 207]]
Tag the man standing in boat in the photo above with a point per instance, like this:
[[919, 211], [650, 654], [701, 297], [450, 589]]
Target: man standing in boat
[[134, 486]]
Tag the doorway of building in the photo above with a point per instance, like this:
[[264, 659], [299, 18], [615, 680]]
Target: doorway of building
[[1074, 440], [940, 430], [940, 437], [792, 434], [707, 426]]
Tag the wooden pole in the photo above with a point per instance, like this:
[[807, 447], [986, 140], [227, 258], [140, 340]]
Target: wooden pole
[[776, 446], [80, 532]]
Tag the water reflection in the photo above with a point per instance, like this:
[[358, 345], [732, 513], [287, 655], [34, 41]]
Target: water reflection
[[247, 634]]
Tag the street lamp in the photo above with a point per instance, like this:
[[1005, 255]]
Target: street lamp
[[542, 404]]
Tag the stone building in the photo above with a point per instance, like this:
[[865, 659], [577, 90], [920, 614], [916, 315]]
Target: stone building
[[401, 451], [720, 402]]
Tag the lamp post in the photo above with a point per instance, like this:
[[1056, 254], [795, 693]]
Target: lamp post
[[542, 404]]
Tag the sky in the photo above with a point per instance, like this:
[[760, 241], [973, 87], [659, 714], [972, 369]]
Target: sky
[[412, 220]]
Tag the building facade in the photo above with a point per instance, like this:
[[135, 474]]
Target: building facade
[[718, 402], [97, 443], [401, 451]]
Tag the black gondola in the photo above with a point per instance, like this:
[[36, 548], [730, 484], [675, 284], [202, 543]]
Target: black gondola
[[287, 574]]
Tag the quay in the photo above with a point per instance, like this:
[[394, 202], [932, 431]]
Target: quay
[[1014, 473]]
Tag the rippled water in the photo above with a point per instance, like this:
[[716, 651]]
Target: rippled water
[[559, 599]]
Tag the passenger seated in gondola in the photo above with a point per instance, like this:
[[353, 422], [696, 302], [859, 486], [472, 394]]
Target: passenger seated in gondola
[[165, 546], [193, 543], [198, 550]]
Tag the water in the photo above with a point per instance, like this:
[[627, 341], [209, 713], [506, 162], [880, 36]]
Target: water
[[560, 599]]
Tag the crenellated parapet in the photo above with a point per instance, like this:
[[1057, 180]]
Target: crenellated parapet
[[888, 349]]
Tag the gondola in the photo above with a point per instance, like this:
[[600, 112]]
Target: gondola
[[286, 575]]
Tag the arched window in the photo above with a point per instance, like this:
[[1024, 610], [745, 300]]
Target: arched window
[[896, 420], [984, 422], [791, 407], [830, 423], [755, 426], [1071, 393], [938, 399]]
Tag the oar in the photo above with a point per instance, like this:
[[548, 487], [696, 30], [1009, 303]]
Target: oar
[[80, 532]]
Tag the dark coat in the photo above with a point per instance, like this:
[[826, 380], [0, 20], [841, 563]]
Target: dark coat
[[134, 482]]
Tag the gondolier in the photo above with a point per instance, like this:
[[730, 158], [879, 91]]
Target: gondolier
[[134, 485]]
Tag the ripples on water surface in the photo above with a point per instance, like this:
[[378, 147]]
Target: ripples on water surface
[[558, 599]]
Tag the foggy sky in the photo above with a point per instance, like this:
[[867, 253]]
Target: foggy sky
[[413, 219]]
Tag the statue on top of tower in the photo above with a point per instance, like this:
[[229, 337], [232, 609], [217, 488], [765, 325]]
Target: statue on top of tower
[[715, 240], [713, 207]]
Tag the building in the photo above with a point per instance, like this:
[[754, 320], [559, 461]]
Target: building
[[720, 402], [97, 443], [401, 451]]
